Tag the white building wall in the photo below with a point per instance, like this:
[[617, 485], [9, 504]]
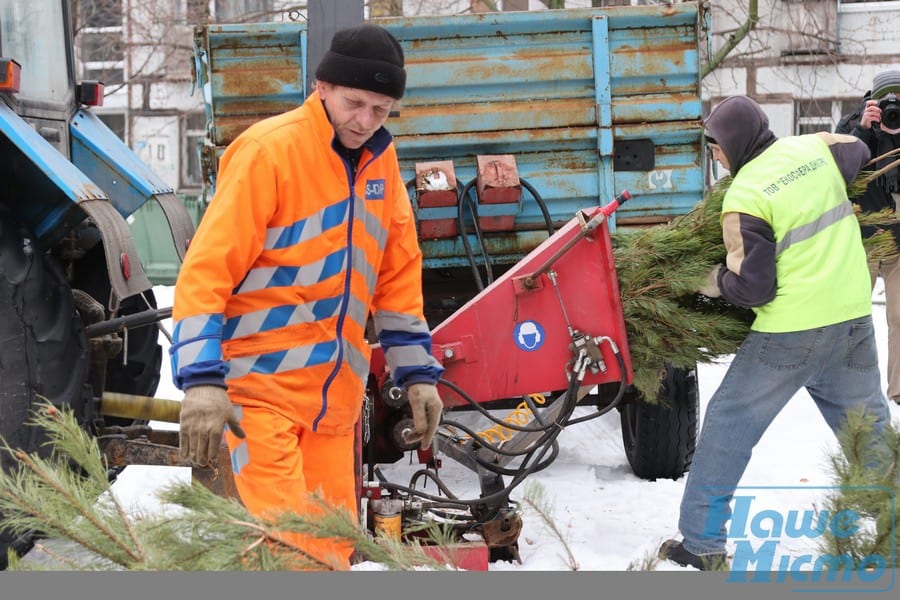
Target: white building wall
[[778, 65], [156, 141]]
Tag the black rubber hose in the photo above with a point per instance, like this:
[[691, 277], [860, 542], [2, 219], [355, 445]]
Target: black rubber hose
[[525, 469], [548, 220], [465, 198], [615, 401]]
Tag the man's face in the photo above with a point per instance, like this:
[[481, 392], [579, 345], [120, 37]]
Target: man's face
[[716, 151], [355, 114]]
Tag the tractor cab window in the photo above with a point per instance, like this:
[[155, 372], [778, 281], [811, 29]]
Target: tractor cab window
[[34, 34]]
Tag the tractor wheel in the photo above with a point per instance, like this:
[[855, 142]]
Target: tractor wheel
[[660, 438], [140, 373], [44, 354]]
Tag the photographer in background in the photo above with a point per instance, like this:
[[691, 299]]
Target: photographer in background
[[879, 127]]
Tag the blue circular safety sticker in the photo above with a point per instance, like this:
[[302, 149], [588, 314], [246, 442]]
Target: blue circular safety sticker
[[529, 335]]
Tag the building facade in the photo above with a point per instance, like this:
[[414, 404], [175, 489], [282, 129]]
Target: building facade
[[807, 61]]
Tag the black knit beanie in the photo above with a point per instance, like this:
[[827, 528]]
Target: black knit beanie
[[365, 57]]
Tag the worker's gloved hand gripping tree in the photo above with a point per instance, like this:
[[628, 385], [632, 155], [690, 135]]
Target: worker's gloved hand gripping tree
[[205, 410], [426, 408]]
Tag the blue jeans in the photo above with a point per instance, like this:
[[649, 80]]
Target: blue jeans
[[838, 366]]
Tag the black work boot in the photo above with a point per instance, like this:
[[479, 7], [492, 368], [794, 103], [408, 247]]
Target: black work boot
[[676, 552]]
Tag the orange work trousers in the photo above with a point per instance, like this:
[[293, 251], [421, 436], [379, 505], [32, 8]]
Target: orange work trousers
[[280, 463]]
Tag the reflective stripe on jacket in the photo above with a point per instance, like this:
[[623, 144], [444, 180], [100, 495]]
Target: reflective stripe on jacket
[[290, 258], [821, 272]]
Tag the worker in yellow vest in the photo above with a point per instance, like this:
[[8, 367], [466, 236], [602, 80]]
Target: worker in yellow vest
[[795, 257]]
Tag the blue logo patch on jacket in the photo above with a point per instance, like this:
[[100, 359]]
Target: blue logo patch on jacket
[[375, 189]]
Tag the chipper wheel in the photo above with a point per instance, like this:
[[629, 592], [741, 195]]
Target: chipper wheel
[[660, 438], [43, 349]]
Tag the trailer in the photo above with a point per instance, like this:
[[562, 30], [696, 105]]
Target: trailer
[[527, 139]]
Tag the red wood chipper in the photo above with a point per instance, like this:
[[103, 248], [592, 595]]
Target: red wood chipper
[[551, 326]]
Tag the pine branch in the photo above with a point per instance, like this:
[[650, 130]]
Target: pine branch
[[667, 321], [660, 268], [54, 481], [56, 495], [881, 157], [867, 482], [197, 531], [536, 498]]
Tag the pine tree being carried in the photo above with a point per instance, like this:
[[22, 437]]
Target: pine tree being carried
[[660, 269]]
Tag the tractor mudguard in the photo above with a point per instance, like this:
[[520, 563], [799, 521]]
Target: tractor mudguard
[[110, 163], [62, 196]]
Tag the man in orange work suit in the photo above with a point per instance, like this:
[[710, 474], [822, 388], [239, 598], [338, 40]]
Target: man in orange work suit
[[310, 232]]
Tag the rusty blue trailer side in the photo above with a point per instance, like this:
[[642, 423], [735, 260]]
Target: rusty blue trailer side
[[587, 101]]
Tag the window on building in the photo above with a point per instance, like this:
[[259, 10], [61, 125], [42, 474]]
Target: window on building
[[851, 111], [814, 115], [192, 11], [243, 11], [106, 75], [867, 5], [115, 121], [102, 46], [850, 106], [194, 131], [100, 40], [823, 115], [97, 14]]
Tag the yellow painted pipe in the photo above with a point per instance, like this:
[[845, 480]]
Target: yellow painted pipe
[[129, 406]]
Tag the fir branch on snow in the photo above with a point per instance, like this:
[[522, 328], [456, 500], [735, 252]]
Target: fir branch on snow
[[536, 498], [58, 494], [867, 482], [648, 562], [69, 499]]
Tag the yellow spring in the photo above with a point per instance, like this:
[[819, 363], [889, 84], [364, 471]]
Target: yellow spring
[[521, 415]]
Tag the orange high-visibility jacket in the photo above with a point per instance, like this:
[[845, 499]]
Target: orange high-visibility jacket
[[291, 257]]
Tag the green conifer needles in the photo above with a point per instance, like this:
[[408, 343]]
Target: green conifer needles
[[65, 496], [866, 473], [661, 267]]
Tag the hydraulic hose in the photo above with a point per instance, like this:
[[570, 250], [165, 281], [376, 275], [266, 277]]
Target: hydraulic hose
[[548, 220], [464, 197]]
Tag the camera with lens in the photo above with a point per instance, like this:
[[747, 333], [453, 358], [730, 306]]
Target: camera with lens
[[890, 111]]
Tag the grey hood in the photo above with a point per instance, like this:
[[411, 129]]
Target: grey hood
[[741, 128]]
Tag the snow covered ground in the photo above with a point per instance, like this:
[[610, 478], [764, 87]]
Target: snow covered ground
[[610, 519]]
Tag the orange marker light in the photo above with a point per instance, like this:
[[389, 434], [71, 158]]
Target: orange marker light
[[10, 76]]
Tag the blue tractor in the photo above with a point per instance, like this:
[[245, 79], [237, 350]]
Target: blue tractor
[[77, 312]]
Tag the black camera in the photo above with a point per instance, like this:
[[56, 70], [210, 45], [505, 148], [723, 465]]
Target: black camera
[[890, 111]]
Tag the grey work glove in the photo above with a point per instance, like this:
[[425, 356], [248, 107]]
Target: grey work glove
[[710, 287], [426, 408], [205, 410]]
